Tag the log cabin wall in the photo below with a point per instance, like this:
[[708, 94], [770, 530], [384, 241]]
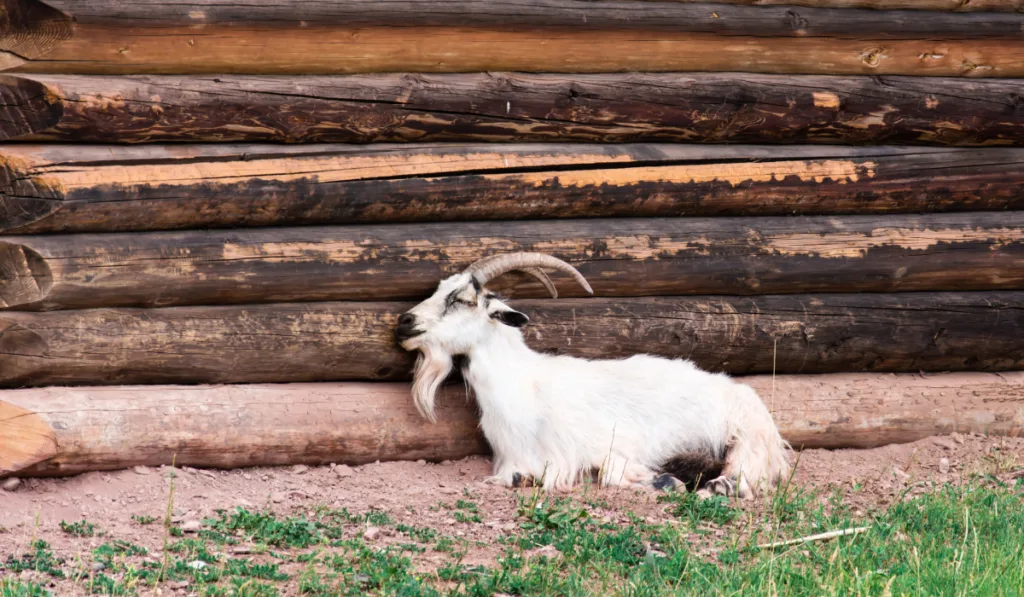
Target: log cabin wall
[[204, 192]]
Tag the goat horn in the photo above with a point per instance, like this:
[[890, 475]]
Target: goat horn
[[488, 268]]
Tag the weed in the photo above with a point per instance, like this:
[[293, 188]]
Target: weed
[[143, 519], [40, 560], [695, 510], [81, 528]]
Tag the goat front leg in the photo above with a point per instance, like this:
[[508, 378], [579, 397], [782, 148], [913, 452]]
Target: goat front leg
[[617, 471]]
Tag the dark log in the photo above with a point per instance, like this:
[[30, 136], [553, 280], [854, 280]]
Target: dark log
[[358, 36], [67, 431], [606, 108], [621, 257], [59, 188], [950, 5], [673, 17], [295, 342]]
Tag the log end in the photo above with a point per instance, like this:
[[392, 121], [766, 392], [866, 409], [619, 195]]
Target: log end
[[26, 439], [30, 29], [25, 277], [27, 107]]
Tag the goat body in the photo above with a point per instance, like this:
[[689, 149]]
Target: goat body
[[558, 418]]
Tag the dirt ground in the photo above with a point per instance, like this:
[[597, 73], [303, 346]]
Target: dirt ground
[[35, 509]]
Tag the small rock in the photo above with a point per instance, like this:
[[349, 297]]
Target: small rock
[[421, 462], [206, 473], [278, 497], [196, 564], [300, 469], [247, 476], [191, 526], [703, 494], [343, 470], [900, 474], [944, 465], [10, 484], [141, 470], [241, 550], [371, 533], [944, 443], [97, 566], [509, 526], [957, 438], [547, 551]]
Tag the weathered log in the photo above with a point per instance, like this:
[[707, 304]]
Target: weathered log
[[59, 188], [950, 5], [299, 342], [112, 37], [627, 108], [65, 431], [621, 257], [726, 19], [62, 431]]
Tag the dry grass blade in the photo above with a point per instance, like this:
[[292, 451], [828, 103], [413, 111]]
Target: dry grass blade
[[812, 538]]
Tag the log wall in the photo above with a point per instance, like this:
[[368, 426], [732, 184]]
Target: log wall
[[206, 192]]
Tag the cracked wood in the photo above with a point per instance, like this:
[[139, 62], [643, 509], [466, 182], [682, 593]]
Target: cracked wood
[[67, 188], [105, 428], [620, 257], [303, 342], [608, 108], [359, 36]]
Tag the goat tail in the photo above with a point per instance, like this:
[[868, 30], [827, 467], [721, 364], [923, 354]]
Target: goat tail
[[432, 368]]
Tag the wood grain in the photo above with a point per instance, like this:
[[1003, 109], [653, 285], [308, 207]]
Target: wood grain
[[69, 188], [327, 50], [607, 108], [621, 257], [107, 428], [303, 342]]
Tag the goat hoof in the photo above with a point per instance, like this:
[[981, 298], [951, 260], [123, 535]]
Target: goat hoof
[[722, 486], [666, 482], [517, 480]]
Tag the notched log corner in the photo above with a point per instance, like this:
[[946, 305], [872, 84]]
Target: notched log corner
[[27, 107], [27, 439], [25, 277], [29, 29]]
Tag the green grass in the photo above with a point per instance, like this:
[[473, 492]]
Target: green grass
[[955, 541], [81, 528]]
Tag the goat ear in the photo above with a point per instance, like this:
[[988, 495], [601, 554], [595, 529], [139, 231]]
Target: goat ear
[[511, 318]]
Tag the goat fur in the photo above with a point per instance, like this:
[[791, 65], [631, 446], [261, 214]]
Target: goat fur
[[558, 418]]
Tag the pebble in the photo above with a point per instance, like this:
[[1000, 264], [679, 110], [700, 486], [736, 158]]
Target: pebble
[[958, 438], [421, 462], [900, 474], [944, 443], [241, 550], [191, 526], [278, 497], [300, 469], [10, 484], [206, 473], [197, 564], [371, 533], [141, 470], [343, 470], [944, 465], [547, 551], [97, 566]]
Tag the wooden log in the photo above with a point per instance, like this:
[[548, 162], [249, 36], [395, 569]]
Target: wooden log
[[609, 108], [725, 19], [75, 430], [302, 342], [224, 427], [621, 257], [950, 5], [59, 188], [358, 36]]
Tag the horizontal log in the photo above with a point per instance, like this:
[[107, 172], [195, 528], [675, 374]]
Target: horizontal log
[[66, 431], [60, 188], [359, 36], [609, 108], [302, 342], [621, 257], [726, 19], [950, 5]]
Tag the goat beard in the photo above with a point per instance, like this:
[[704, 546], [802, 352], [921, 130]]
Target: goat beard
[[432, 368]]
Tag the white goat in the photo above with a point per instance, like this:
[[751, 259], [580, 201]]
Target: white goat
[[637, 421]]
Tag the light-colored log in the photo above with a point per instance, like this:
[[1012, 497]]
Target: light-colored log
[[74, 430]]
